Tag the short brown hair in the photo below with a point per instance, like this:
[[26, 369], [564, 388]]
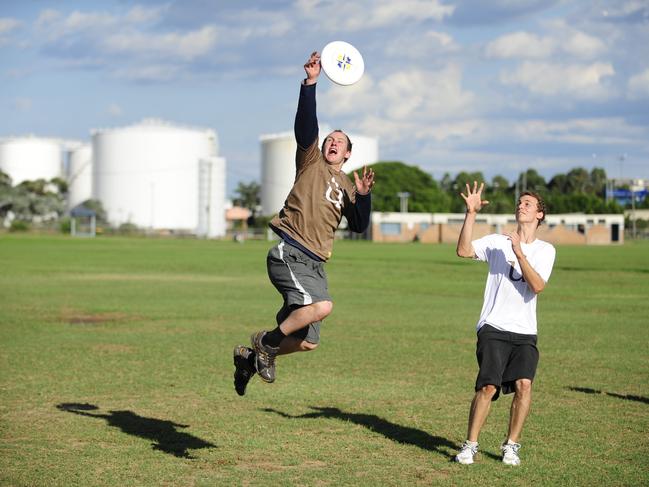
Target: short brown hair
[[540, 204]]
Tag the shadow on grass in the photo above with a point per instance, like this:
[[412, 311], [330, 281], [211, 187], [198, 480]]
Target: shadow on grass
[[163, 433], [392, 431], [627, 397]]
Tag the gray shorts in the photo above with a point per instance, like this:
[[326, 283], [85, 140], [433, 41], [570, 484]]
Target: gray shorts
[[301, 281]]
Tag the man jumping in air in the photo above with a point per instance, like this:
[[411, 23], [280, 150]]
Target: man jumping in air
[[321, 195]]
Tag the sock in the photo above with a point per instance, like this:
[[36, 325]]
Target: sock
[[471, 443], [252, 359], [273, 338], [510, 442]]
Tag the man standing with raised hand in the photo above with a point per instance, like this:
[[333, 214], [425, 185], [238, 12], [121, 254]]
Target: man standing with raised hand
[[321, 195], [519, 267]]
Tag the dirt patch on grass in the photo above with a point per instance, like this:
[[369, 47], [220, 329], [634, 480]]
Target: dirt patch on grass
[[78, 318], [152, 277], [112, 348]]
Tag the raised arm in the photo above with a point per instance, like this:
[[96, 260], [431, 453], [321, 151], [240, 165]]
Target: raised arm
[[306, 120], [474, 204]]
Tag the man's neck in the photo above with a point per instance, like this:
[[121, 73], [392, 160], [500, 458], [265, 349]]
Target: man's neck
[[336, 167], [527, 232]]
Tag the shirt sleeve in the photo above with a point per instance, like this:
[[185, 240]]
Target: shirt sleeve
[[545, 262], [306, 120], [358, 213], [482, 247]]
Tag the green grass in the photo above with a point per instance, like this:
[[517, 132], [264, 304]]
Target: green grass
[[116, 368]]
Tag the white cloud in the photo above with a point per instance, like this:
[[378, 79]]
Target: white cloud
[[520, 45], [141, 15], [582, 45], [54, 26], [405, 102], [418, 45], [587, 131], [585, 81], [149, 73], [251, 24], [182, 46], [7, 24], [561, 40], [369, 14], [638, 86]]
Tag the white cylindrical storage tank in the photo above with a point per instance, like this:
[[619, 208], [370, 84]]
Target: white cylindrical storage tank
[[278, 164], [30, 158], [147, 174], [277, 170], [211, 197], [79, 175]]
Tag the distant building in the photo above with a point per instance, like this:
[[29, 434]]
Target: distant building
[[579, 229], [637, 189]]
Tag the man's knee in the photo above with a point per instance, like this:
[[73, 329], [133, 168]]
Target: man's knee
[[488, 391], [523, 386], [323, 309]]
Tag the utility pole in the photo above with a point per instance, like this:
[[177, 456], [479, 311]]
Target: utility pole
[[403, 197]]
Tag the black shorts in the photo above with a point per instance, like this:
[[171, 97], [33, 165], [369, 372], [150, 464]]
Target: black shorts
[[504, 357]]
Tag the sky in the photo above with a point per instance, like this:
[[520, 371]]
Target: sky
[[449, 85]]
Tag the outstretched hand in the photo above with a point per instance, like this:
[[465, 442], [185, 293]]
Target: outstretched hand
[[312, 68], [473, 198], [364, 185]]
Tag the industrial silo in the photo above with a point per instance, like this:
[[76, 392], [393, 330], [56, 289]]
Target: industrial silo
[[149, 174], [30, 158], [278, 164], [79, 174]]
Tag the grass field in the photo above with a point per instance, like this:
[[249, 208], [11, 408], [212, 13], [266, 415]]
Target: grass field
[[116, 369]]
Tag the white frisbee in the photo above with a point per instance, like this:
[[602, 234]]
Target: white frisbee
[[342, 63]]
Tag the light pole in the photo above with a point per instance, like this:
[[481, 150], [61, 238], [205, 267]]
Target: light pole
[[403, 197]]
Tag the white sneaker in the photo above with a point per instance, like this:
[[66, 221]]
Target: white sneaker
[[466, 453], [510, 453]]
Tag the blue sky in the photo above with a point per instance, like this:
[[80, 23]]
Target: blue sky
[[498, 86]]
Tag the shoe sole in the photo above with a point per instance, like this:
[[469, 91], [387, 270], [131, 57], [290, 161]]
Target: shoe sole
[[241, 363]]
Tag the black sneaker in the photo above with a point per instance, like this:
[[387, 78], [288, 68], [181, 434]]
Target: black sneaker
[[243, 371], [265, 360]]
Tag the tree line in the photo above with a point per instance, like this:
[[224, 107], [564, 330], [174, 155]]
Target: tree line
[[577, 191]]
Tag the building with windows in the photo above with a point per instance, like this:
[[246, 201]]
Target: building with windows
[[572, 228]]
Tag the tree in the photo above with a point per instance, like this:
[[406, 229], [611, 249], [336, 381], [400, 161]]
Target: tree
[[499, 184], [459, 185], [598, 180], [578, 180], [98, 208], [248, 196], [396, 177], [531, 180]]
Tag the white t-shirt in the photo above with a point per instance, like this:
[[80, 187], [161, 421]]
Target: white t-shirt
[[509, 303]]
